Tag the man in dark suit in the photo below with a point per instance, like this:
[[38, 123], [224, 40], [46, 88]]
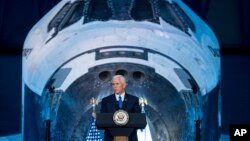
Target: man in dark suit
[[111, 103]]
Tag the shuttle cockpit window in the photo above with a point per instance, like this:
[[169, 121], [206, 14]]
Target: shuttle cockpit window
[[143, 10], [174, 15], [97, 10], [69, 14], [103, 10], [75, 14], [54, 23], [184, 17]]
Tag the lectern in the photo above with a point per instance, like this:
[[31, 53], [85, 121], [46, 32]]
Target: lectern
[[120, 130]]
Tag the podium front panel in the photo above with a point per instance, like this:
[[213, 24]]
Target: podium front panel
[[136, 120]]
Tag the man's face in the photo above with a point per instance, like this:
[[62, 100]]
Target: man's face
[[118, 86]]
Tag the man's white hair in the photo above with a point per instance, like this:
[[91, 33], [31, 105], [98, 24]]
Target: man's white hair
[[121, 77]]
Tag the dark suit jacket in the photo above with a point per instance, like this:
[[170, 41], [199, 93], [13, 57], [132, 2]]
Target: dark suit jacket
[[109, 104]]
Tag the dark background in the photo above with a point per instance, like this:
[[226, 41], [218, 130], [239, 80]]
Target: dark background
[[229, 19]]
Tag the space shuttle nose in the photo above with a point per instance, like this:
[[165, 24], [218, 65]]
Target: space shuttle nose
[[71, 55]]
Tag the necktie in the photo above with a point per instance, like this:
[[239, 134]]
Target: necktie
[[120, 102]]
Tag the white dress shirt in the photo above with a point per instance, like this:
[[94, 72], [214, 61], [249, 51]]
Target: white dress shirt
[[122, 95]]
